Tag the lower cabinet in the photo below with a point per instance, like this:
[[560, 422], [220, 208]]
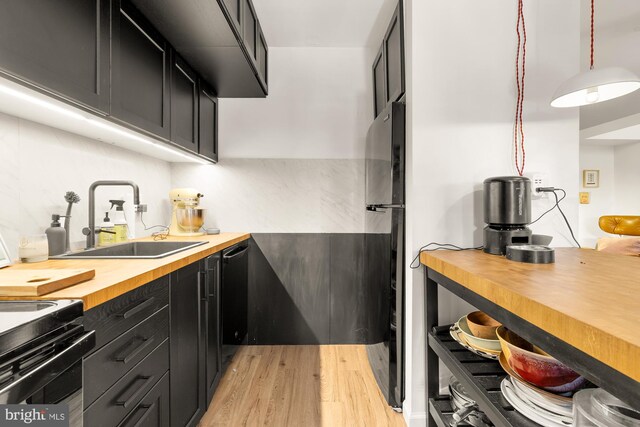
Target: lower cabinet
[[187, 370], [158, 358]]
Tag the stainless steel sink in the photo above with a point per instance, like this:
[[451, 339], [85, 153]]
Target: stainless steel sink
[[133, 250]]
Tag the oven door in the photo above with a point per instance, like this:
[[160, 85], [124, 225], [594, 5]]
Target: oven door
[[50, 373]]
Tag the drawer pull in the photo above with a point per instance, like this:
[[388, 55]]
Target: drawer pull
[[138, 308], [146, 342], [138, 392], [147, 411]]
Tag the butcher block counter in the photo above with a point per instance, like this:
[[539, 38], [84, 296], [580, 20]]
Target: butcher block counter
[[115, 277], [588, 299]]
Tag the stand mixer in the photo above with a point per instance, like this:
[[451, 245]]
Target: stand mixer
[[186, 217]]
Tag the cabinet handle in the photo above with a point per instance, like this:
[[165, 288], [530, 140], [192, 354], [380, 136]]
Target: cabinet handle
[[138, 308], [146, 342], [202, 281], [147, 410], [138, 392]]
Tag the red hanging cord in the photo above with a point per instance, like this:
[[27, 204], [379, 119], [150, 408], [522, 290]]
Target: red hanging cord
[[593, 11], [518, 128]]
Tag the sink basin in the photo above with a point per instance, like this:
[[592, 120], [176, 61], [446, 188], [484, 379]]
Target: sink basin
[[133, 250]]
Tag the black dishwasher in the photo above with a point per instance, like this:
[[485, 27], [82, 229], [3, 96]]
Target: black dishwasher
[[234, 290]]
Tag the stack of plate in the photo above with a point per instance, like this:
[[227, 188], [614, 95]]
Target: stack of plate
[[538, 405], [542, 407], [487, 348]]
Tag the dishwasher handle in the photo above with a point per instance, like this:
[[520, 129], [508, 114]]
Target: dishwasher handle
[[237, 252]]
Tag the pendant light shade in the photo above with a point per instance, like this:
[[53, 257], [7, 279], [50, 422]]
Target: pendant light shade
[[594, 86]]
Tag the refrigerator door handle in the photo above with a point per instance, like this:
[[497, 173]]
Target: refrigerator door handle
[[383, 207]]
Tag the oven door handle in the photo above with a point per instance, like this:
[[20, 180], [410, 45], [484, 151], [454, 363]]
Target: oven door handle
[[47, 371]]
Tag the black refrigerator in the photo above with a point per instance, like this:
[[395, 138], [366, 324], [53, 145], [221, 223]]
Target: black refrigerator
[[384, 248]]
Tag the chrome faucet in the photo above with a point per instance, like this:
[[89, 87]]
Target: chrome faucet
[[91, 232]]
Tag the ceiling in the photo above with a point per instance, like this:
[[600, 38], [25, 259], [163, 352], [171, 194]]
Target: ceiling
[[324, 23]]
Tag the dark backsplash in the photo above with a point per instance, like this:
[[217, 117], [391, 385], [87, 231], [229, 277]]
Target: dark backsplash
[[310, 289]]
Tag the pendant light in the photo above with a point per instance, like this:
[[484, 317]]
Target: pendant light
[[595, 86]]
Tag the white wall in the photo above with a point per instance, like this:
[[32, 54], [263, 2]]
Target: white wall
[[602, 198], [461, 100], [319, 107], [627, 177], [279, 195], [40, 164], [292, 162]]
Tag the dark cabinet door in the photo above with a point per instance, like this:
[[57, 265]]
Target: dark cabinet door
[[234, 7], [394, 57], [263, 56], [187, 347], [208, 128], [61, 46], [249, 28], [184, 104], [139, 72], [379, 86], [213, 356]]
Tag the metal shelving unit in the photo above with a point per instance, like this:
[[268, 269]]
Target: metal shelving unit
[[481, 377]]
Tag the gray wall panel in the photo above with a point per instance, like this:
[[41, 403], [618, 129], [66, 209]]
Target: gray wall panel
[[309, 289]]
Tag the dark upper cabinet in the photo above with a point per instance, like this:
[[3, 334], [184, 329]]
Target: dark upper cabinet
[[379, 86], [394, 56], [208, 128], [219, 39], [234, 8], [59, 46], [388, 66], [249, 23], [184, 104], [187, 369], [213, 359], [140, 93], [263, 57]]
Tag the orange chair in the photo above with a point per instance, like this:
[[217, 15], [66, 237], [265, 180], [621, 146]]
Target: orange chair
[[621, 225]]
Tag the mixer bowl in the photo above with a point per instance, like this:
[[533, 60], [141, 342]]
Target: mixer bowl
[[190, 219]]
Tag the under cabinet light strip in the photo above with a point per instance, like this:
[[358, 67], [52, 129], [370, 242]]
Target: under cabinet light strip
[[98, 122]]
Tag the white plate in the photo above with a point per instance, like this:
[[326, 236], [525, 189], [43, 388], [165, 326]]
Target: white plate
[[537, 399], [530, 411]]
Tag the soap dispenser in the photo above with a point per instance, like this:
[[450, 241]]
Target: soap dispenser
[[107, 235], [120, 222], [56, 236]]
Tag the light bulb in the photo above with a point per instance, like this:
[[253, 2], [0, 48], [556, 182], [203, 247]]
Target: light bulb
[[593, 95]]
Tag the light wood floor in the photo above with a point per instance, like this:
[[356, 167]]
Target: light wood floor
[[310, 386]]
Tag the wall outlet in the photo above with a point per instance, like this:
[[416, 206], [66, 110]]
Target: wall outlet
[[538, 179]]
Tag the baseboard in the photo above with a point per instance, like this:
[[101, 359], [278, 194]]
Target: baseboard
[[415, 419]]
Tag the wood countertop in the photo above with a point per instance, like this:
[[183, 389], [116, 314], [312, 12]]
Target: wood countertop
[[589, 299], [115, 277]]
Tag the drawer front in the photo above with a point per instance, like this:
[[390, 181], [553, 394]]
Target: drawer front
[[107, 365], [111, 408], [120, 314], [153, 409]]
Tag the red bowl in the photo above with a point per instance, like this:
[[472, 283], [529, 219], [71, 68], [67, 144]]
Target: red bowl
[[535, 366]]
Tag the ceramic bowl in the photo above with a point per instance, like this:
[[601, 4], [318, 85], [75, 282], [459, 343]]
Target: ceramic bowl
[[535, 366], [480, 343], [482, 325]]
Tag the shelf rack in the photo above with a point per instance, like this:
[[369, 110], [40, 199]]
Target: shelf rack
[[481, 377]]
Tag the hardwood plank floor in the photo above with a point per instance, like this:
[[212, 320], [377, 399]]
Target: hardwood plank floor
[[310, 386]]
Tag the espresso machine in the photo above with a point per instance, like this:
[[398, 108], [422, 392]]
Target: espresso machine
[[187, 217], [507, 212]]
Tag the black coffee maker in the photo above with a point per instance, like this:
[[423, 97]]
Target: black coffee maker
[[507, 212]]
